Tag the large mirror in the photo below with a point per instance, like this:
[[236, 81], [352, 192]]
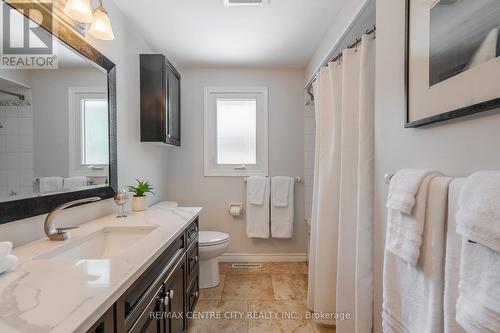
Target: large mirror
[[57, 118]]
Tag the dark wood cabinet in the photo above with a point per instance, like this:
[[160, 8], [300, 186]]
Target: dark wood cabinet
[[174, 299], [150, 320], [160, 299], [160, 100], [105, 324]]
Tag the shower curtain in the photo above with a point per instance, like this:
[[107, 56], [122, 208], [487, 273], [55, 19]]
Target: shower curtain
[[340, 262]]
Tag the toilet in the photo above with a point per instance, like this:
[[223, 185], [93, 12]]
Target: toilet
[[212, 245]]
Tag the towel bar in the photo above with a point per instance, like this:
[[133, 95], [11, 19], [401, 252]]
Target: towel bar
[[298, 179]]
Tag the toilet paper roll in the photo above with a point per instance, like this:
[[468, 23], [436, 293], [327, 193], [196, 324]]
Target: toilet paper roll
[[235, 210]]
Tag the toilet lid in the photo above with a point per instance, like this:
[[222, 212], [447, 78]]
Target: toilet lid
[[212, 238]]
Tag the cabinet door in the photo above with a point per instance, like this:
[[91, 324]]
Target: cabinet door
[[175, 301], [105, 324], [173, 125], [152, 319]]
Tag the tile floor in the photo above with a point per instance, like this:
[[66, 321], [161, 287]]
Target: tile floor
[[274, 295]]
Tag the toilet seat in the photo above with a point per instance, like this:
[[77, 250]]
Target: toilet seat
[[210, 238]]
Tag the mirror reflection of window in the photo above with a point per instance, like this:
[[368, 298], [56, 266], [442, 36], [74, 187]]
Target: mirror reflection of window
[[89, 148], [94, 129]]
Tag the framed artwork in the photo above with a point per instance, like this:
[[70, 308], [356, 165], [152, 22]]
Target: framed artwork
[[452, 59]]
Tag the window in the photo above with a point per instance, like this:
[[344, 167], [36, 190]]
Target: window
[[88, 144], [236, 131]]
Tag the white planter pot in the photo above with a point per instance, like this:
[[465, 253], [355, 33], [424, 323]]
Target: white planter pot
[[139, 203]]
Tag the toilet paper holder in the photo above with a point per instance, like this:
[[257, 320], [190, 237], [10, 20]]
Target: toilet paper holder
[[236, 205]]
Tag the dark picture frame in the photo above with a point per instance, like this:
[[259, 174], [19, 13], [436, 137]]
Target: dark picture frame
[[441, 117], [25, 208]]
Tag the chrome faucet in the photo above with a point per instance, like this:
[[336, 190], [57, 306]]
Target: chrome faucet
[[61, 234]]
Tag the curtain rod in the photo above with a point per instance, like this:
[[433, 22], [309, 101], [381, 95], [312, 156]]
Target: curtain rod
[[20, 96], [337, 57]]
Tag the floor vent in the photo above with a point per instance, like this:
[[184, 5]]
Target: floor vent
[[247, 265]]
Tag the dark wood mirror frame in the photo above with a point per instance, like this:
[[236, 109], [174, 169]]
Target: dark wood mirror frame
[[25, 208]]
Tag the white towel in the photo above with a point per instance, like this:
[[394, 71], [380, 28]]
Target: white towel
[[51, 184], [404, 232], [256, 190], [478, 221], [452, 261], [8, 263], [404, 187], [74, 182], [280, 189], [478, 217], [478, 305], [258, 214], [282, 213], [5, 248], [413, 295]]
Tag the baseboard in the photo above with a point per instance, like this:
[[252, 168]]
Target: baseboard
[[263, 257]]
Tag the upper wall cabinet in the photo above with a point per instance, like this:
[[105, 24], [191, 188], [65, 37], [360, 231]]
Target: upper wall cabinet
[[160, 100]]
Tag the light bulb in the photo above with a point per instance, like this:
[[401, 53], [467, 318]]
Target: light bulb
[[101, 26], [79, 10]]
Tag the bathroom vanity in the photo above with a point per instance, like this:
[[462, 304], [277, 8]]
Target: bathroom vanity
[[138, 274]]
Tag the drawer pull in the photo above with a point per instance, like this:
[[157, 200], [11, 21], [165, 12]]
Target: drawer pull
[[195, 258], [168, 297]]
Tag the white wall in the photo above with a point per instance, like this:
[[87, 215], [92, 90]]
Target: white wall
[[188, 186], [135, 160], [354, 17], [456, 148]]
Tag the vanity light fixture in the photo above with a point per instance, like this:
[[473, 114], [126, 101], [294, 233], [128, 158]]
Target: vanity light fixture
[[79, 10], [101, 25]]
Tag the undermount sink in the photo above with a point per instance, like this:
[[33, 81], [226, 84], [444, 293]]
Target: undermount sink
[[105, 243]]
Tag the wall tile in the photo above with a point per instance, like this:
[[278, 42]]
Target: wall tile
[[309, 142], [26, 178], [11, 143], [309, 177], [10, 125], [309, 125], [26, 126], [26, 160], [13, 178], [308, 210], [308, 193], [3, 178], [25, 143], [309, 160]]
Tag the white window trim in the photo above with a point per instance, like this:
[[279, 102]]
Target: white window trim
[[213, 170], [74, 165]]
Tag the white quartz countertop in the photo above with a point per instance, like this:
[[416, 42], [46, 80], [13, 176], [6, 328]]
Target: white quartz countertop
[[45, 295]]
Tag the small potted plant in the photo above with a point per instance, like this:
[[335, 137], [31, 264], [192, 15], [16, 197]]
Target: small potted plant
[[139, 200]]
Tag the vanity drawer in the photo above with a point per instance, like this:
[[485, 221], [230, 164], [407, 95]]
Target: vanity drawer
[[132, 303], [192, 261], [192, 232]]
